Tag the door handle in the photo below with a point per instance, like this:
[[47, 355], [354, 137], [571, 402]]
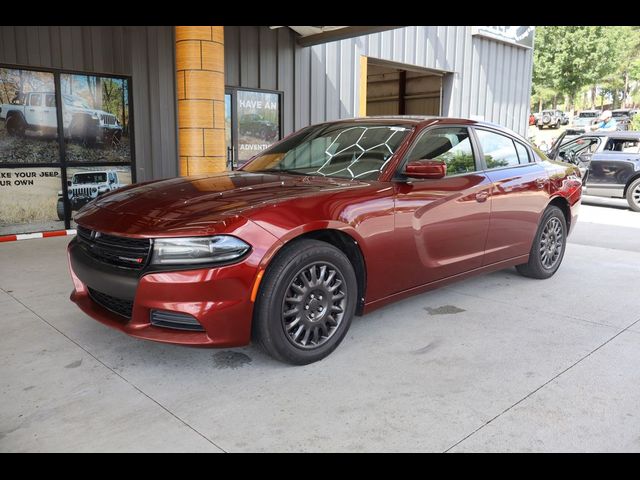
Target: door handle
[[32, 109], [482, 196]]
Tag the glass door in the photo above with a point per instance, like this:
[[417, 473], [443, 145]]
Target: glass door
[[252, 122]]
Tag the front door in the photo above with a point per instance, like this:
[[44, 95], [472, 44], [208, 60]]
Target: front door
[[441, 225], [612, 169]]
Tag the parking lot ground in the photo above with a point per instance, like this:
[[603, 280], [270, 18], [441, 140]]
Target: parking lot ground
[[494, 363]]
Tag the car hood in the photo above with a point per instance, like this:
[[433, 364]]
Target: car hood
[[199, 205]]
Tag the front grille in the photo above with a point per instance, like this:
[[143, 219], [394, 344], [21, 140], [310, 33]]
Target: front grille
[[108, 119], [116, 305], [119, 251], [81, 191]]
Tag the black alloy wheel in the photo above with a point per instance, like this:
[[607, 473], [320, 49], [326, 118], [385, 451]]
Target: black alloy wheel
[[548, 245], [305, 303]]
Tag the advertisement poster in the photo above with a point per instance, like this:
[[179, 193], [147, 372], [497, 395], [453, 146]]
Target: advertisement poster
[[95, 118], [258, 122], [28, 121], [88, 183], [95, 127], [29, 200]]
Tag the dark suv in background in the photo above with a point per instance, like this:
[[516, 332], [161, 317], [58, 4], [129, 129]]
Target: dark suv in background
[[609, 163]]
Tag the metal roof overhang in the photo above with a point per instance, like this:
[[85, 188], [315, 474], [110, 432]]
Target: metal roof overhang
[[310, 35]]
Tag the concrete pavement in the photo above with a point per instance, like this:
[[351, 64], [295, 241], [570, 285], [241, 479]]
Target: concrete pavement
[[494, 363]]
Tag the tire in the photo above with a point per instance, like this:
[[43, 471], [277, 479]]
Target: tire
[[540, 264], [286, 330], [16, 126], [633, 195], [60, 209]]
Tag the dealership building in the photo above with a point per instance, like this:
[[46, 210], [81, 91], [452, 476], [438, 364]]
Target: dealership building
[[85, 110]]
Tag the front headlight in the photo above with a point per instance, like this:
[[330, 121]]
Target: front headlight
[[181, 251]]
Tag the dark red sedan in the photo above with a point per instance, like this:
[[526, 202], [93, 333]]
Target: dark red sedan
[[334, 221]]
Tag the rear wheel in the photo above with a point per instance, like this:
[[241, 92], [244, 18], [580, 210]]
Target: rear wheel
[[306, 302], [633, 195], [16, 126], [548, 246], [60, 209]]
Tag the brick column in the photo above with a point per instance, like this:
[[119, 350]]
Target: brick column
[[200, 89]]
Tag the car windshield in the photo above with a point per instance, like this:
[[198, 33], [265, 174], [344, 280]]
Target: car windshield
[[588, 114], [75, 102], [620, 114], [100, 177], [333, 150]]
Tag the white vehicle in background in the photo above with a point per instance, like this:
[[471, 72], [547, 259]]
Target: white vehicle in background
[[36, 111], [583, 121], [86, 186]]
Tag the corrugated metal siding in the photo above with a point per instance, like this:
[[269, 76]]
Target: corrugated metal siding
[[144, 53], [489, 79]]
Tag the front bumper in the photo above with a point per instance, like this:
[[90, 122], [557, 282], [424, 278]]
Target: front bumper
[[219, 298]]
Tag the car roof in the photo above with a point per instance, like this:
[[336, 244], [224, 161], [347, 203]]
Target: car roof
[[424, 120]]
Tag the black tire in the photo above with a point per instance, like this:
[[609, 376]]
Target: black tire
[[16, 126], [60, 209], [633, 195], [270, 319], [540, 265]]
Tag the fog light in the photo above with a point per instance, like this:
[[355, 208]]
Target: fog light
[[175, 320]]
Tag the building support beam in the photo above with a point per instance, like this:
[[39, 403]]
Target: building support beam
[[200, 91]]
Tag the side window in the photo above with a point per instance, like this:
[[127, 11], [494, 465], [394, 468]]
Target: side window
[[50, 100], [580, 146], [499, 151], [523, 153], [451, 145], [35, 100]]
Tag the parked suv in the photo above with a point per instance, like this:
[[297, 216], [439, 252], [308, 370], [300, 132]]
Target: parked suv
[[623, 117], [549, 118], [609, 162], [86, 186], [583, 121], [36, 111]]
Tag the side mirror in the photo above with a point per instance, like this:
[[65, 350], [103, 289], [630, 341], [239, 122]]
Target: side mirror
[[69, 183], [432, 169]]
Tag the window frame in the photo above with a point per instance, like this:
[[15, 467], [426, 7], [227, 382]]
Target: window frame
[[400, 176], [513, 138]]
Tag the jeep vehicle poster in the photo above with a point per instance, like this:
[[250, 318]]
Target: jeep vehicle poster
[[28, 121], [258, 122], [88, 183], [28, 200], [95, 118]]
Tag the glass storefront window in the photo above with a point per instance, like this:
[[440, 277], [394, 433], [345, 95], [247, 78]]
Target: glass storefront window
[[95, 116], [28, 117], [29, 200], [36, 167]]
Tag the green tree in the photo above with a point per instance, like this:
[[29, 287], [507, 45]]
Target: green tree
[[570, 58]]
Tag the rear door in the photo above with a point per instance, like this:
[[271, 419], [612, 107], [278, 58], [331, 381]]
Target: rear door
[[519, 194], [441, 224]]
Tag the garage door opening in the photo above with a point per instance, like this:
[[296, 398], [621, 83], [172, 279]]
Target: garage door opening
[[393, 89]]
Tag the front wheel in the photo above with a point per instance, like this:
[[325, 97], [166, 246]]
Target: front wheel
[[633, 195], [548, 246], [306, 302], [60, 209]]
